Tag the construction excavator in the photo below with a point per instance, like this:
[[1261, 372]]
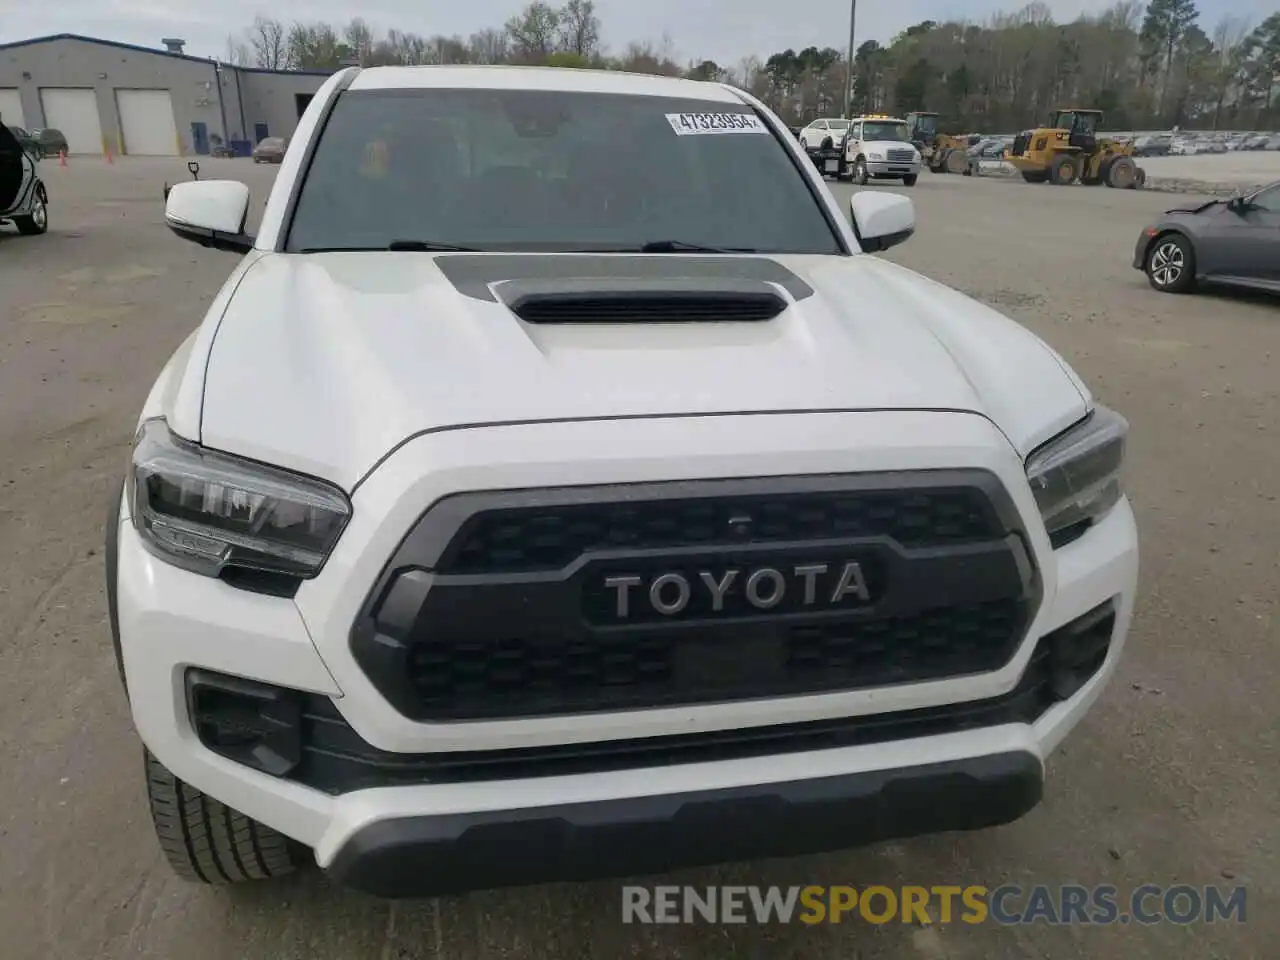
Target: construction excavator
[[941, 152]]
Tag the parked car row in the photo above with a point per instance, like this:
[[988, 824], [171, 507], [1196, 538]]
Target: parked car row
[[1194, 144]]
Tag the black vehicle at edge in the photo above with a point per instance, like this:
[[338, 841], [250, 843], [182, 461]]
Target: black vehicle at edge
[[1233, 242]]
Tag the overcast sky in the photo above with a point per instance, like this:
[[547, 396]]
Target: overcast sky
[[722, 30]]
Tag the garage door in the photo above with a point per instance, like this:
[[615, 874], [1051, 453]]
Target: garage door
[[146, 120], [11, 108], [74, 111]]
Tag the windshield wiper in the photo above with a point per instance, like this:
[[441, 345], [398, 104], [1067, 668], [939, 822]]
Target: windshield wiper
[[428, 246], [417, 246], [679, 246]]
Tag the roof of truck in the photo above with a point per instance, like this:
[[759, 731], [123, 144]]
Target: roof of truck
[[540, 78]]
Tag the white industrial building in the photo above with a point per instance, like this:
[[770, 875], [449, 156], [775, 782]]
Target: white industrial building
[[107, 96]]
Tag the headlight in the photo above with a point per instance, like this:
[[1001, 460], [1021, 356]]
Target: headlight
[[207, 511], [876, 156], [1076, 476]]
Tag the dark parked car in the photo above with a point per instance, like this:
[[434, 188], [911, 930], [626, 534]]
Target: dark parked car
[[1234, 242], [23, 199], [50, 141], [26, 141], [1152, 146], [270, 150]]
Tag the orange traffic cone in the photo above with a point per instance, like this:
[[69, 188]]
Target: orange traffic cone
[[62, 158]]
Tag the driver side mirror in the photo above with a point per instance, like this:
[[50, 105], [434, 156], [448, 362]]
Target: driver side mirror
[[881, 220], [1240, 205], [211, 213]]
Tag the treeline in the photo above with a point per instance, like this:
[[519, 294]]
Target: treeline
[[1148, 66], [567, 36]]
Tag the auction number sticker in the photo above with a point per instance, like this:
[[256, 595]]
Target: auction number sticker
[[703, 124]]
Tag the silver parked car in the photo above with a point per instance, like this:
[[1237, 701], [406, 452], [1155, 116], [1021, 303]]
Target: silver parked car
[[1232, 242]]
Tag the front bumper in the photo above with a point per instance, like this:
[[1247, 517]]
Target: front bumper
[[428, 856], [893, 169], [1140, 250], [171, 621]]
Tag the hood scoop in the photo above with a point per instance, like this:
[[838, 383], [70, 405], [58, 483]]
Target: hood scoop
[[641, 300]]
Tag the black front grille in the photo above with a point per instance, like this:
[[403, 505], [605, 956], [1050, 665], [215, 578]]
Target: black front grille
[[510, 607], [901, 156], [546, 538], [528, 673]]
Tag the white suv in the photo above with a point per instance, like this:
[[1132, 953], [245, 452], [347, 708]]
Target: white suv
[[528, 507], [880, 148], [825, 132]]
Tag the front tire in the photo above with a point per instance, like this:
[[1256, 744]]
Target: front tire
[[910, 180], [860, 172], [206, 841], [1121, 173], [1171, 264], [37, 222], [1064, 170]]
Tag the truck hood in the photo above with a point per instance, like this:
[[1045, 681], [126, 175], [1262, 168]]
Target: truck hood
[[323, 363]]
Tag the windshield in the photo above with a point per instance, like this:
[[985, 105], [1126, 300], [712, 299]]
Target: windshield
[[927, 125], [884, 130], [551, 170]]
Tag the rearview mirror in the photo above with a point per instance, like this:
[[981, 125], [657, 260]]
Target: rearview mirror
[[881, 220], [211, 213]]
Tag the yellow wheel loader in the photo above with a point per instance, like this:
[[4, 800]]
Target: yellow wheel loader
[[1069, 149], [941, 152]]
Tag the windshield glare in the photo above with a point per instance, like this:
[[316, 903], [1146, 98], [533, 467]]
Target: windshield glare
[[873, 130], [552, 170]]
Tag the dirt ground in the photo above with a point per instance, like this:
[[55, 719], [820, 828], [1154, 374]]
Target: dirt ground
[[1240, 166], [1172, 779]]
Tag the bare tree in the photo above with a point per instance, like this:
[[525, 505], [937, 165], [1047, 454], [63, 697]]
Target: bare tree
[[580, 28], [314, 46], [267, 39], [647, 57], [488, 46], [534, 32], [358, 37], [238, 53]]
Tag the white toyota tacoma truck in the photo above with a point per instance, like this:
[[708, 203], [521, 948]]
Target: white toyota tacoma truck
[[536, 503]]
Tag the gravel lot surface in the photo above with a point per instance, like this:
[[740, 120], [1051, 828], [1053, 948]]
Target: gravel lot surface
[[1172, 779]]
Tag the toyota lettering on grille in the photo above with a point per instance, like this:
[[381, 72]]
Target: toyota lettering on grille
[[805, 585]]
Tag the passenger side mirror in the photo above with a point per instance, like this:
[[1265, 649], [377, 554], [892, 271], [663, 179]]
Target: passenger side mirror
[[211, 213], [881, 220]]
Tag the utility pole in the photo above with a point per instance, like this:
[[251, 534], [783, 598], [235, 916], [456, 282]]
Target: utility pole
[[848, 90]]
